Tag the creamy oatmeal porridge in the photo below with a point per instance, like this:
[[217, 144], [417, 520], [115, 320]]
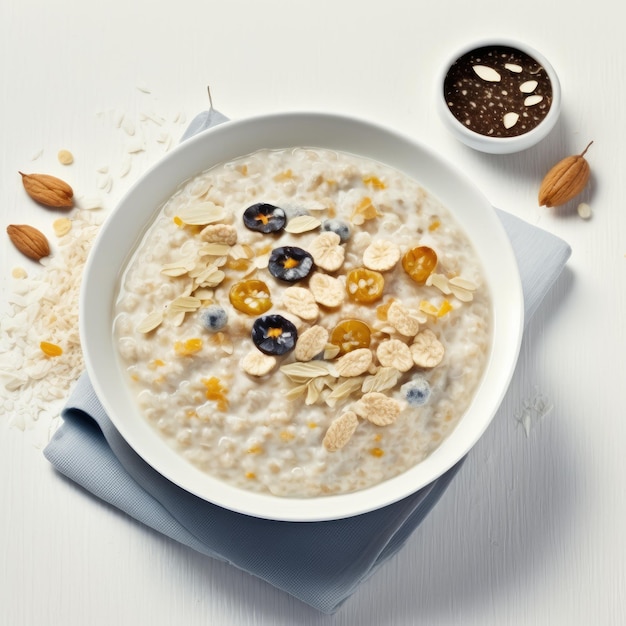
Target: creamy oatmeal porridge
[[303, 322]]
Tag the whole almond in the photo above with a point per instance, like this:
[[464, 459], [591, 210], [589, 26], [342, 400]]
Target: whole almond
[[565, 180], [48, 190], [29, 241]]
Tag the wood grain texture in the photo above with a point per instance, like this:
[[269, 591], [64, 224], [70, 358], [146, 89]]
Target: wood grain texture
[[532, 530]]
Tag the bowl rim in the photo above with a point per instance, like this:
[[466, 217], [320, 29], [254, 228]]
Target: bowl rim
[[95, 323], [499, 145]]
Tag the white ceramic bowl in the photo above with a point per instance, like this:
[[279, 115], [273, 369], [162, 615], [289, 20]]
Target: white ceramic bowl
[[492, 144], [123, 229]]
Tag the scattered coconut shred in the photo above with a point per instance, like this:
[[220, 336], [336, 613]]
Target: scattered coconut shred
[[40, 352], [44, 308]]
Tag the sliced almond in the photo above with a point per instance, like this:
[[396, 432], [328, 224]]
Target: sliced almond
[[327, 290], [311, 343], [377, 408], [202, 214], [427, 350], [381, 255], [302, 224], [394, 353], [256, 363], [340, 431], [149, 323], [300, 301], [354, 363]]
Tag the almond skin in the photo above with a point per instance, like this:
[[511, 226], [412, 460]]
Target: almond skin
[[565, 180], [48, 190], [29, 241]]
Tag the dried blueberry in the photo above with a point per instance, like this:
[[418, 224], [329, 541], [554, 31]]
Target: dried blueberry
[[416, 391], [290, 264], [274, 334], [264, 218], [339, 227], [214, 317]]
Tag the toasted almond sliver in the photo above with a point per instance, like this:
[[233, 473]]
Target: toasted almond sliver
[[463, 283], [62, 226], [214, 249], [202, 213], [151, 322], [302, 224], [185, 303]]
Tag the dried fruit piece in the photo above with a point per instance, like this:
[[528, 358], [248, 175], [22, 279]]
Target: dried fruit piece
[[350, 335], [419, 263], [50, 349], [48, 190], [251, 297], [188, 347], [327, 290], [290, 263], [29, 241], [326, 251], [394, 353], [565, 180], [416, 391], [214, 317], [340, 431], [256, 363], [310, 343], [354, 363], [217, 392], [381, 255], [337, 226], [274, 334], [300, 302], [377, 408], [427, 350], [264, 218], [365, 285]]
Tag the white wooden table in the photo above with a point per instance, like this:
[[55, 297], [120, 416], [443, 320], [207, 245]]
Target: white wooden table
[[532, 530]]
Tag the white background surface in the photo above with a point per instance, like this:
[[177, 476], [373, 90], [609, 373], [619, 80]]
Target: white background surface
[[532, 530]]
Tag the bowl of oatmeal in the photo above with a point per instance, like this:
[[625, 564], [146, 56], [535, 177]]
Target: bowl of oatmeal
[[301, 316]]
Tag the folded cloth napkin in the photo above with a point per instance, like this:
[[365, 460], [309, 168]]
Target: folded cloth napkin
[[321, 563]]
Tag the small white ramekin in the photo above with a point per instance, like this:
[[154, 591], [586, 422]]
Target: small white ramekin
[[491, 144]]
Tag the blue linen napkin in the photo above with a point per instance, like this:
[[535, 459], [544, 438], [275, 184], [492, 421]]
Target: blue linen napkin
[[321, 563]]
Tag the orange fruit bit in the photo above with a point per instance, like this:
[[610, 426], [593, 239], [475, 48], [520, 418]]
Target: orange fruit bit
[[363, 285], [255, 449], [312, 425], [374, 181], [251, 297], [365, 209], [350, 335], [216, 391], [178, 221], [155, 363], [286, 175], [250, 475], [419, 263], [434, 224], [445, 308], [189, 347], [377, 452], [50, 349], [238, 264], [286, 435], [382, 310], [242, 169]]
